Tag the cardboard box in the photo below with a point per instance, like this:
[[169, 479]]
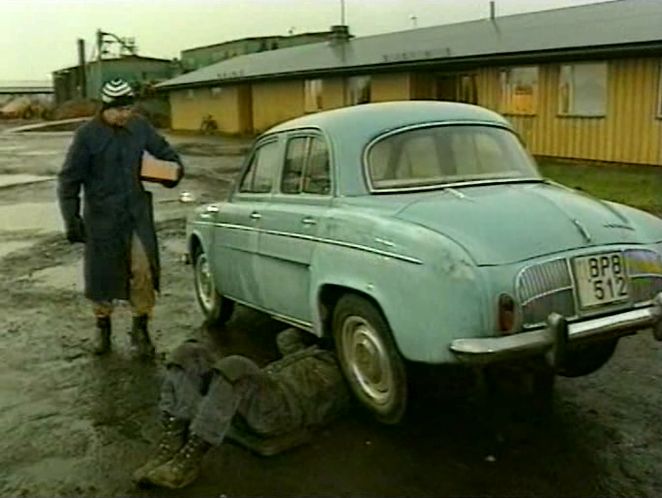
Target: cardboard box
[[156, 170]]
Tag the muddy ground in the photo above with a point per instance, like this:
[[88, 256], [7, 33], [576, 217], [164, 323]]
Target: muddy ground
[[74, 425]]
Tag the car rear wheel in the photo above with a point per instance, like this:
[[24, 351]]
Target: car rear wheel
[[369, 358], [588, 358], [216, 308]]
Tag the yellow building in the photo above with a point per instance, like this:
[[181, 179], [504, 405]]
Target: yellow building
[[581, 82]]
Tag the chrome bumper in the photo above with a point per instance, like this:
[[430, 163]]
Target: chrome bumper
[[557, 335]]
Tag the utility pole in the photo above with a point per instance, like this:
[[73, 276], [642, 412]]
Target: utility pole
[[99, 59], [343, 19], [82, 76]]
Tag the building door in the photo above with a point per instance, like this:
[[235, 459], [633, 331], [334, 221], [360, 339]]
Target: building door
[[457, 88], [246, 109]]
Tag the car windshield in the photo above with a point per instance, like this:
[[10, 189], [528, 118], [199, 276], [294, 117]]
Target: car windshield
[[445, 154]]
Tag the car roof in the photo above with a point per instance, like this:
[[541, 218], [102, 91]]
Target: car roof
[[378, 117], [350, 129]]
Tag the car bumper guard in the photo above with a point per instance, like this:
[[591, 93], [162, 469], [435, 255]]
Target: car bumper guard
[[558, 335]]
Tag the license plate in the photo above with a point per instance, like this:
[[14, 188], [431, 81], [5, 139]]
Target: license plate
[[601, 279]]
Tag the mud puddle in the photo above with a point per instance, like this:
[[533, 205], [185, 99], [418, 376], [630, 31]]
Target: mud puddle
[[10, 246], [30, 216], [22, 179]]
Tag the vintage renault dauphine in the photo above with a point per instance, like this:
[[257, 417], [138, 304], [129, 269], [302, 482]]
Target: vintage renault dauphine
[[423, 232]]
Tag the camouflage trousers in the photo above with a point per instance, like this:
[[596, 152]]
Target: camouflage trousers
[[142, 296], [213, 395]]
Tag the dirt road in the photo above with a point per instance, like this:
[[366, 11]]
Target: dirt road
[[73, 425]]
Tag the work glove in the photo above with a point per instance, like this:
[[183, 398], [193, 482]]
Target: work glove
[[173, 183], [76, 231]]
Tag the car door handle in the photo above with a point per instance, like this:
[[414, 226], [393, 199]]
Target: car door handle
[[255, 215], [309, 221]]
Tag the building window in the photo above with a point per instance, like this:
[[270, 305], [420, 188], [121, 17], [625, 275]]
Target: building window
[[583, 89], [519, 90], [216, 92], [358, 90], [313, 95], [190, 94]]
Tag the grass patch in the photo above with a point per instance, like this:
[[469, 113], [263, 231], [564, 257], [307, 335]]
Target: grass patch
[[638, 186]]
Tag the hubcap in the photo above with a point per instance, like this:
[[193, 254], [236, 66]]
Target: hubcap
[[204, 282], [368, 360]]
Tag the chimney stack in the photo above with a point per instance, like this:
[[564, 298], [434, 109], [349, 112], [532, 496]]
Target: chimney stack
[[492, 10], [340, 34]]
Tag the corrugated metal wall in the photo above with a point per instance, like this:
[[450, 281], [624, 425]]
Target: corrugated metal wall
[[631, 131]]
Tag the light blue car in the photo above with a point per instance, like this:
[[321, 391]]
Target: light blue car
[[423, 232]]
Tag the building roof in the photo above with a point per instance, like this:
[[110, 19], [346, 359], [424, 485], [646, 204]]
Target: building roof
[[26, 86], [617, 24], [257, 38], [124, 58]]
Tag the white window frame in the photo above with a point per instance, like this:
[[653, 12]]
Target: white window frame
[[313, 95], [216, 92], [571, 111], [507, 104], [190, 94]]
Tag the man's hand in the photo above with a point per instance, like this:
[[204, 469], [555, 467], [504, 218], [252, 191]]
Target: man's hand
[[76, 232], [171, 183]]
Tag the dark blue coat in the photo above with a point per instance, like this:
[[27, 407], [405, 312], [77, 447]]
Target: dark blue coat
[[105, 161]]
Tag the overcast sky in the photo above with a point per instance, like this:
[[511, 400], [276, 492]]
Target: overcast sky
[[39, 36]]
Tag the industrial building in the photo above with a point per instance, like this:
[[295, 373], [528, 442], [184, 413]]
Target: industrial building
[[581, 82]]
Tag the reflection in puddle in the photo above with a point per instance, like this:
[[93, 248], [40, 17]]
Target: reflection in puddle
[[30, 216], [62, 277], [13, 245], [20, 179]]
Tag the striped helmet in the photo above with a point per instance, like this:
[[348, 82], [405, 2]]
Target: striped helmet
[[117, 93]]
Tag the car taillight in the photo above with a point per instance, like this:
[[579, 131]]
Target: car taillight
[[506, 314]]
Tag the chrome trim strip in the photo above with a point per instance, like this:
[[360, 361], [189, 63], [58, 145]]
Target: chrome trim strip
[[645, 275], [488, 349], [311, 238], [283, 318], [545, 294]]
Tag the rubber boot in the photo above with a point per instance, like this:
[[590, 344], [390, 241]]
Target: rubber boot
[[173, 438], [183, 468], [102, 338], [141, 345]]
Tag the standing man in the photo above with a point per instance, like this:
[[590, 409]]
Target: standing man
[[117, 225]]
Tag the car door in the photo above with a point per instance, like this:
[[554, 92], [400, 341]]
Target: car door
[[237, 224], [290, 224]]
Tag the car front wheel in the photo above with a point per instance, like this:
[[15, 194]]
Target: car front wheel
[[369, 358], [216, 308]]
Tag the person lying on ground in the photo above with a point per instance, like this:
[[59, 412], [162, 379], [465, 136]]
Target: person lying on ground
[[201, 399]]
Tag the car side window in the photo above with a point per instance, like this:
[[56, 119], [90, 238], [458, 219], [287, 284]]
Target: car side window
[[317, 179], [295, 160], [260, 175]]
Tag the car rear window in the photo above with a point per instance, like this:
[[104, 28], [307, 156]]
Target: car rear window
[[437, 155]]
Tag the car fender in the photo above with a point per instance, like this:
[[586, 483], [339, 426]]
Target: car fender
[[429, 297]]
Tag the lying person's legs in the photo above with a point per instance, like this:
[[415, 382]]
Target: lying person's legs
[[232, 385], [189, 371]]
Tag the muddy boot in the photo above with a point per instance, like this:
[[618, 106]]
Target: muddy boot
[[183, 468], [141, 345], [102, 337], [172, 440]]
